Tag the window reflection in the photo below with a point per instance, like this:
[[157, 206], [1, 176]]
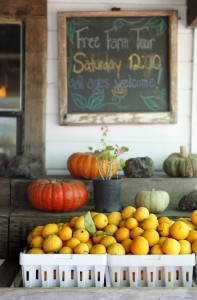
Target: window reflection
[[8, 136], [10, 67]]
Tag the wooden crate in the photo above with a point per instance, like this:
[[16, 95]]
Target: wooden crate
[[4, 225]]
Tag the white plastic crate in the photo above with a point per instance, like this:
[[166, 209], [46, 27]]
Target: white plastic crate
[[63, 270], [151, 270]]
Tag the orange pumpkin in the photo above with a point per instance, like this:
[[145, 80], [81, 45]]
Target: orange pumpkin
[[85, 165], [52, 195]]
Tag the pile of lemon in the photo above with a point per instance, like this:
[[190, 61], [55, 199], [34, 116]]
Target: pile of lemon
[[131, 231]]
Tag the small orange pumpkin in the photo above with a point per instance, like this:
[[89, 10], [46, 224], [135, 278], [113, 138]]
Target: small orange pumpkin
[[85, 165]]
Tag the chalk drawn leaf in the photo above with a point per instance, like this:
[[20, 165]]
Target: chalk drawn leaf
[[153, 103], [95, 100], [79, 101]]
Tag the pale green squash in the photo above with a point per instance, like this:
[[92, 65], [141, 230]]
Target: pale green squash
[[154, 201]]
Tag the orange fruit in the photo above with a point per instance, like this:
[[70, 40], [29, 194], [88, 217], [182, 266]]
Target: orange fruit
[[65, 250], [65, 233], [139, 246], [193, 217], [127, 212], [131, 223], [98, 249], [163, 229], [116, 249], [141, 213], [179, 230], [122, 224], [81, 234], [73, 221], [156, 249], [37, 241], [161, 239], [164, 219], [100, 220], [99, 234], [152, 236], [114, 218], [127, 245], [49, 229], [194, 246], [111, 228], [52, 243], [72, 242], [192, 236], [81, 248], [136, 231], [29, 238], [171, 246], [80, 222], [153, 216], [35, 251], [149, 223], [186, 247], [121, 234], [37, 230], [107, 240]]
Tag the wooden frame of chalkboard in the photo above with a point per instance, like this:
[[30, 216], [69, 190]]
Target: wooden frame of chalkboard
[[117, 67]]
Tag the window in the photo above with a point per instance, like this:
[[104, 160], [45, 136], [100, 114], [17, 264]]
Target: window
[[11, 75]]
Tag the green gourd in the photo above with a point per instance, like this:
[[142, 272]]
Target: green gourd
[[181, 164]]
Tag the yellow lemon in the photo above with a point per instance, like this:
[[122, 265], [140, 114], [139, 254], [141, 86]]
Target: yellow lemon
[[107, 240], [81, 234], [81, 248], [171, 246], [52, 243], [100, 220], [114, 218], [65, 250], [65, 233], [139, 246], [141, 213], [179, 230], [127, 212], [37, 241], [193, 217], [121, 234], [152, 236], [131, 223], [49, 229], [127, 244], [98, 249], [186, 247], [116, 249], [35, 251]]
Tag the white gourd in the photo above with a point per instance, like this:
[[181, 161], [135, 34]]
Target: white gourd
[[155, 201]]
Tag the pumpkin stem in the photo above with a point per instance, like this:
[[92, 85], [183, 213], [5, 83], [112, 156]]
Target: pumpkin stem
[[183, 152], [53, 180]]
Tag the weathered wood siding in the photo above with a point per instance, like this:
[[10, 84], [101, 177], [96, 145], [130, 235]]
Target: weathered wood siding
[[156, 141]]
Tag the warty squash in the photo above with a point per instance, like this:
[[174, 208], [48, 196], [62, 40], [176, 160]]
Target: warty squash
[[181, 164]]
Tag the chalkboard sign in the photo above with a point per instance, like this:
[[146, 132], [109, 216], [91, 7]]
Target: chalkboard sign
[[117, 67]]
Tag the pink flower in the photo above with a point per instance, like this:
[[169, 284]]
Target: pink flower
[[105, 129], [120, 151]]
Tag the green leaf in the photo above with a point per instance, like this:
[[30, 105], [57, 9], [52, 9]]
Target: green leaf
[[89, 224]]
